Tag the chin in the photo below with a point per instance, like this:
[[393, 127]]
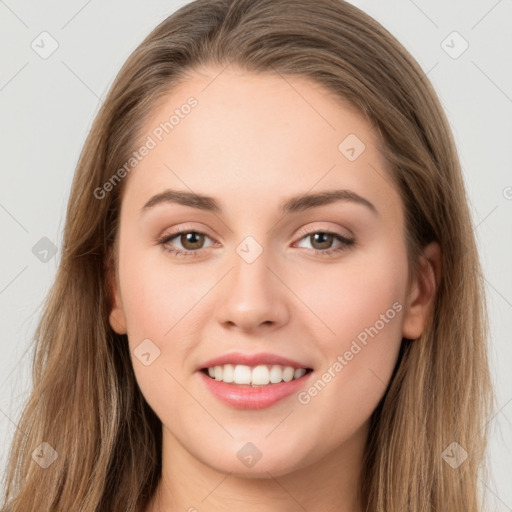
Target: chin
[[271, 465]]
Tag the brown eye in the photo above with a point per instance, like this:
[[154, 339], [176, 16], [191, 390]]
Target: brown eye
[[326, 243], [322, 240], [191, 243], [191, 240]]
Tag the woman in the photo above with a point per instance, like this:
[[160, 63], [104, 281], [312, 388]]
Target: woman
[[250, 371]]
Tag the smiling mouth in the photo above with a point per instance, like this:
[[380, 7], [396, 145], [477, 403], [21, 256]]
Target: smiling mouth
[[255, 376]]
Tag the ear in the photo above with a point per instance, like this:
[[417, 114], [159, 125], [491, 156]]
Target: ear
[[117, 319], [422, 292]]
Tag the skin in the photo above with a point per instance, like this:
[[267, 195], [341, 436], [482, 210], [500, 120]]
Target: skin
[[252, 142]]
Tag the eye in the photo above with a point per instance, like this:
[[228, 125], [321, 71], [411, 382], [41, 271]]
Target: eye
[[192, 242], [323, 241]]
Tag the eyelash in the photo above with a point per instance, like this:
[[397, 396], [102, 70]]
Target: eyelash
[[346, 243]]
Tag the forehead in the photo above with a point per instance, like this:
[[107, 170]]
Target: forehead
[[254, 136]]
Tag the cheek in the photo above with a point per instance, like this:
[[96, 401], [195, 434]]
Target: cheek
[[157, 296], [352, 296], [156, 302], [363, 307], [159, 303]]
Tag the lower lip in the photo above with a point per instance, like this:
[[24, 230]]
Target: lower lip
[[249, 397]]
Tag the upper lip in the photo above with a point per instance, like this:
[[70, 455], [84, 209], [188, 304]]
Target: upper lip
[[252, 360]]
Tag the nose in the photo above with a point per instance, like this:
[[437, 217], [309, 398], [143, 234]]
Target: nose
[[254, 296]]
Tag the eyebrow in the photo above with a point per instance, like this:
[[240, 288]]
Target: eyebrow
[[293, 204]]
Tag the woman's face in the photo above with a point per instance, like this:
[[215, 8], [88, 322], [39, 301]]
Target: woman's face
[[320, 283]]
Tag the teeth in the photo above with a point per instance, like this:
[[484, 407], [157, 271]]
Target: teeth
[[228, 373], [260, 375], [299, 372], [242, 374]]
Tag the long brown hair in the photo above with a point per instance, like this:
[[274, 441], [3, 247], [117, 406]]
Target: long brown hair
[[86, 403]]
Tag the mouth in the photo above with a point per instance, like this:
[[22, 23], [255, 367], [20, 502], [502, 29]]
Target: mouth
[[251, 388], [254, 376]]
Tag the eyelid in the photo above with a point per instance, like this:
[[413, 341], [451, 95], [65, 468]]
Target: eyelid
[[322, 229], [187, 228]]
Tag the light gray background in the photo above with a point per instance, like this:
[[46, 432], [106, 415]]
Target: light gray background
[[48, 106]]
